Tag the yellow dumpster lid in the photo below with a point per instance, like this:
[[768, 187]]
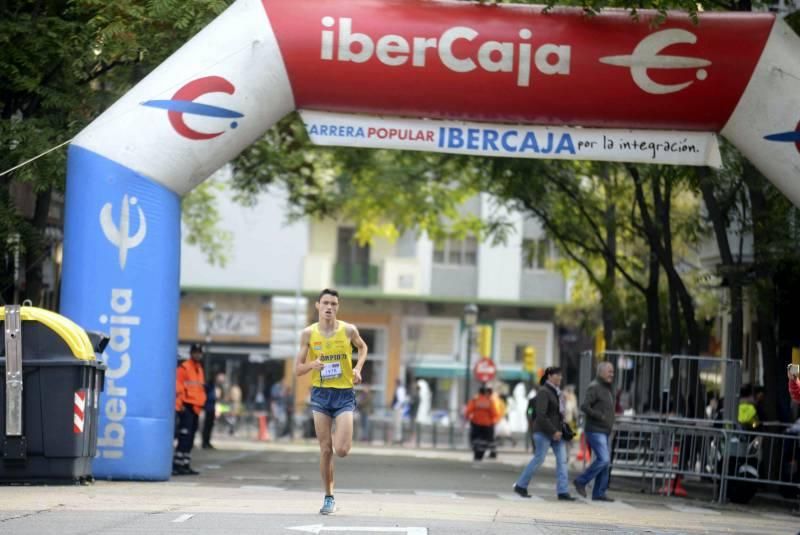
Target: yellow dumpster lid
[[73, 335]]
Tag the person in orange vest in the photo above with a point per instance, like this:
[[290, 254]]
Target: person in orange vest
[[482, 415], [189, 401]]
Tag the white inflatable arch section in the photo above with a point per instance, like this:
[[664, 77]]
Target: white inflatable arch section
[[733, 74]]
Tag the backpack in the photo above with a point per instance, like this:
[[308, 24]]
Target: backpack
[[531, 410]]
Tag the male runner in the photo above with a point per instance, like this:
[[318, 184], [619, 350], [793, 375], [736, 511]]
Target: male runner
[[326, 352]]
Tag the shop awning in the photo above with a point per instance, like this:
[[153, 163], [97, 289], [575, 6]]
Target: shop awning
[[452, 370]]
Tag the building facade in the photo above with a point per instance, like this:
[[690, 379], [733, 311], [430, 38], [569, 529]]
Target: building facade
[[407, 299]]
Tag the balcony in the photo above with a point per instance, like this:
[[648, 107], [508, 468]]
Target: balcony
[[542, 286], [355, 275]]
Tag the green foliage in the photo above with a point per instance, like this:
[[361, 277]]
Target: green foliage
[[201, 221], [63, 63], [385, 193]]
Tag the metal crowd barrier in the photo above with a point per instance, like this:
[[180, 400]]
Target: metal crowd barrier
[[669, 386], [737, 461]]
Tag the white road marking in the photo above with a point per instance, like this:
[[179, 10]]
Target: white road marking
[[354, 491], [183, 518], [316, 528]]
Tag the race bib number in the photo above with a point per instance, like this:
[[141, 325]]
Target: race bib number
[[331, 370]]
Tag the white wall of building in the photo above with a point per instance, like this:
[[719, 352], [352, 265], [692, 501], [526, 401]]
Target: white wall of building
[[499, 266], [425, 257], [265, 253]]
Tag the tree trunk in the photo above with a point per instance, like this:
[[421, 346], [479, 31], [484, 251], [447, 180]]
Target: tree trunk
[[653, 328], [610, 304], [665, 258], [731, 271], [766, 296], [35, 254], [607, 311]]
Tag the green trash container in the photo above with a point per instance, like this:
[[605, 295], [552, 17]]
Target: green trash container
[[49, 396]]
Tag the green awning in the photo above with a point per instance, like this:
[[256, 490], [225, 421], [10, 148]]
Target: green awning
[[456, 370]]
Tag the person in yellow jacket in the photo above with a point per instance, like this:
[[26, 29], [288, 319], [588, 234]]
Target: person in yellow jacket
[[326, 351], [748, 414], [189, 401]]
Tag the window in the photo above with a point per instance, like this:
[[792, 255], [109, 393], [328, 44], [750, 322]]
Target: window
[[456, 252], [374, 371], [519, 353], [535, 253], [352, 261], [516, 336]]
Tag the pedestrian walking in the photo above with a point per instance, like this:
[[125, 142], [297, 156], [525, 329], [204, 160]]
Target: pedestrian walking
[[236, 408], [189, 402], [530, 416], [794, 382], [210, 409], [326, 352], [570, 415], [481, 411], [399, 402], [502, 429], [288, 411], [599, 410], [365, 407], [792, 372], [548, 428]]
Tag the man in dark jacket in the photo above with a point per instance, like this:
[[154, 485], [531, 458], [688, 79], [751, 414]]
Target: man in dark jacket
[[599, 410], [547, 432]]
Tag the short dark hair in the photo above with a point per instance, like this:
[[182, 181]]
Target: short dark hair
[[196, 348], [328, 291]]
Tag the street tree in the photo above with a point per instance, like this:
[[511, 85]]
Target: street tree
[[63, 63]]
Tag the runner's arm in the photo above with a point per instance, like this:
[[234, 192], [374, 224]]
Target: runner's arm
[[301, 367], [361, 346]]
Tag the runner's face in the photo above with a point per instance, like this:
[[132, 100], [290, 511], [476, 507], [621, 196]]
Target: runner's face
[[327, 306]]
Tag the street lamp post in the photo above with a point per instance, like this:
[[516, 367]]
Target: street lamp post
[[208, 312], [470, 319]]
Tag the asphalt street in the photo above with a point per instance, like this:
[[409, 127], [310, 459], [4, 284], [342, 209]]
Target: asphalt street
[[256, 488]]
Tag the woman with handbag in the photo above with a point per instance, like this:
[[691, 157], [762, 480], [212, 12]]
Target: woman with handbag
[[548, 432]]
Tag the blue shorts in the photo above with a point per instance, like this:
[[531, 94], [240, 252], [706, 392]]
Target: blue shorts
[[332, 401]]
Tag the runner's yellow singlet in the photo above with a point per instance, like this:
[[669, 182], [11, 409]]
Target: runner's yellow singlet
[[336, 354]]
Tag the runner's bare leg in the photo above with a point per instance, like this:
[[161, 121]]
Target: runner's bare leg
[[322, 426], [343, 434]]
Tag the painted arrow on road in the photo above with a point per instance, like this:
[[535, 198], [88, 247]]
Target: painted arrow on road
[[316, 528]]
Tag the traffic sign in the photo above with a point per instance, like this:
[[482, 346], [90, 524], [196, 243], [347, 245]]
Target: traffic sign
[[484, 370]]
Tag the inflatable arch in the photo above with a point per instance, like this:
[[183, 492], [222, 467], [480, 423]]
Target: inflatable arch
[[734, 74]]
